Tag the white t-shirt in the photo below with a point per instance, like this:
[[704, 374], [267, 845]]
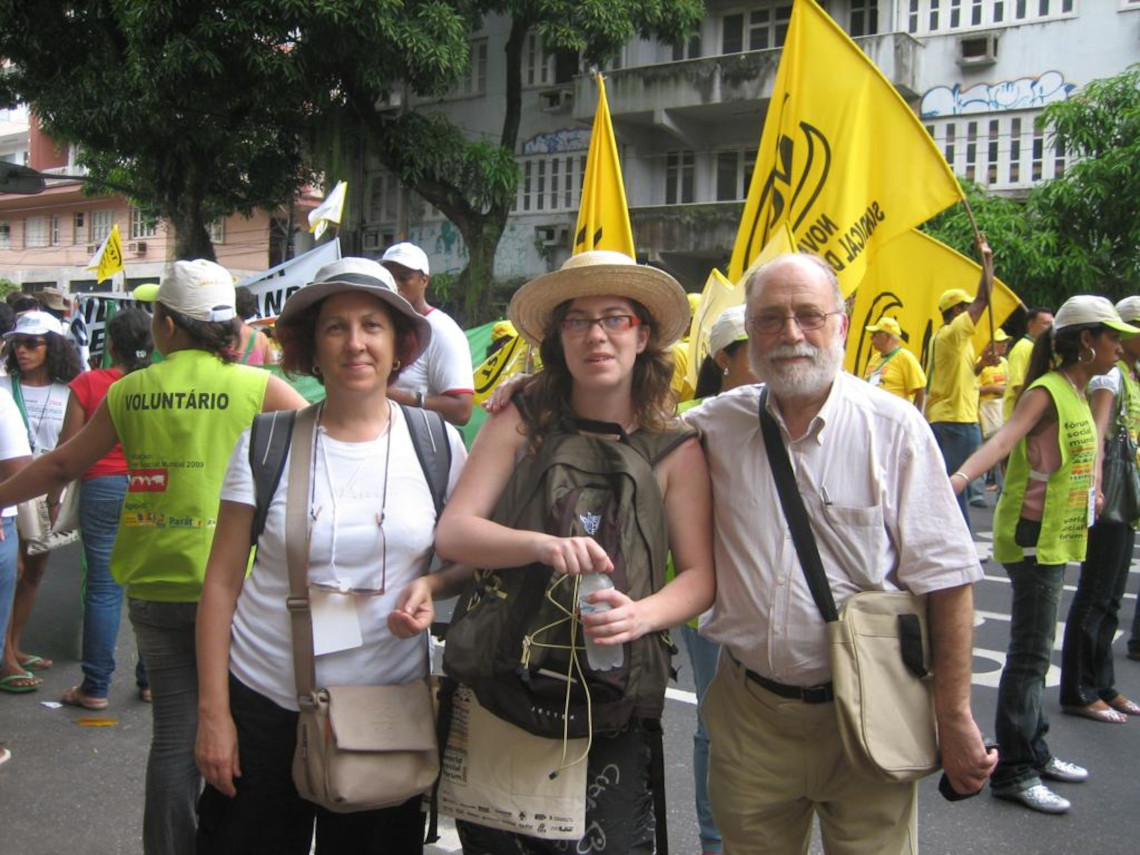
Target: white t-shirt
[[13, 437], [346, 546], [45, 406], [446, 364]]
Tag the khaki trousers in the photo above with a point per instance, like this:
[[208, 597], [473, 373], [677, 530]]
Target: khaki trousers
[[775, 762]]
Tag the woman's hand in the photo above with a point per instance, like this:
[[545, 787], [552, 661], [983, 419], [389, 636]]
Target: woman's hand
[[414, 610], [504, 392], [624, 621], [216, 752], [573, 555]]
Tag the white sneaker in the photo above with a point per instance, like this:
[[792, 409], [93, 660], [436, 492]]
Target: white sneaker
[[1038, 797], [1069, 773]]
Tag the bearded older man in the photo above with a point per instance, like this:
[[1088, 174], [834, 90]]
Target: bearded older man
[[884, 518]]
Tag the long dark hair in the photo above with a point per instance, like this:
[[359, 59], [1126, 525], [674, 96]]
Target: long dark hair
[[128, 333], [710, 379], [548, 392], [1056, 349], [216, 337], [62, 361]]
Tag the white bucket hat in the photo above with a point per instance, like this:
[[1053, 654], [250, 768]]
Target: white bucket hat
[[35, 323], [597, 273]]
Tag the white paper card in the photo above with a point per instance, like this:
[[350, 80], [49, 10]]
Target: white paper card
[[335, 624]]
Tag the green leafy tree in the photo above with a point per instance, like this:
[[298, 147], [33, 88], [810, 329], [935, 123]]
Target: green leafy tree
[[201, 108], [473, 181]]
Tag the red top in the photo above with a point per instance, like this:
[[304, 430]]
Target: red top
[[90, 388]]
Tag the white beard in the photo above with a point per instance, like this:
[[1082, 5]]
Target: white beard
[[799, 380]]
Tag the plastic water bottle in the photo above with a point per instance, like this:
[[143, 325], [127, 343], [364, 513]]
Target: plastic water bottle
[[600, 657]]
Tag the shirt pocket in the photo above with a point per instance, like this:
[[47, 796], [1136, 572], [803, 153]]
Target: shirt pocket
[[855, 547]]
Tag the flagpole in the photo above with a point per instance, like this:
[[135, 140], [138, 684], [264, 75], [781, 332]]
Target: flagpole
[[978, 238]]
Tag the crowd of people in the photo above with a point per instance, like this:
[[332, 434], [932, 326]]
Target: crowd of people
[[884, 467]]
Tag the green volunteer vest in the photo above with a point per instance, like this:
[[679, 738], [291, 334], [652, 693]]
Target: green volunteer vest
[[1064, 521], [178, 422], [1130, 398]]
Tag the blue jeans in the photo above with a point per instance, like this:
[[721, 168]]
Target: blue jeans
[[957, 441], [9, 552], [703, 655], [1087, 674], [1021, 720], [165, 633], [100, 503]]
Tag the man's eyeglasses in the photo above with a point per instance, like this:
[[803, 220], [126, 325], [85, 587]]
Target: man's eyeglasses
[[28, 343], [608, 323], [768, 324]]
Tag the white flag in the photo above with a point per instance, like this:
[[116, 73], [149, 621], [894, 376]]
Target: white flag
[[329, 211]]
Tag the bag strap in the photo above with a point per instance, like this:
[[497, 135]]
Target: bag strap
[[795, 512], [249, 347], [297, 535], [18, 397], [433, 449], [269, 439]]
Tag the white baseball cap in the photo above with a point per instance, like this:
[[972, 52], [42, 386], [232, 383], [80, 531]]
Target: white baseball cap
[[198, 289], [1088, 310], [1129, 309], [409, 255], [726, 329], [35, 323]]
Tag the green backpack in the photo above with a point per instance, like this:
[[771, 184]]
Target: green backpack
[[515, 639]]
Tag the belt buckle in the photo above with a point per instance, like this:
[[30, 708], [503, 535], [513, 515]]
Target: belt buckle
[[816, 694]]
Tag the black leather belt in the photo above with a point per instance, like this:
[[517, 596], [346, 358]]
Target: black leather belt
[[821, 694]]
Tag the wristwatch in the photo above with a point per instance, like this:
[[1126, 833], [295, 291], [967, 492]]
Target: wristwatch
[[420, 398]]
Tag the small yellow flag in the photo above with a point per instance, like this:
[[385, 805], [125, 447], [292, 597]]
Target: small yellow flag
[[108, 259], [720, 294], [508, 360], [603, 217], [904, 282], [331, 210], [843, 160]]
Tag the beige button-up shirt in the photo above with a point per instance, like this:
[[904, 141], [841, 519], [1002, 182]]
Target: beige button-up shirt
[[881, 508]]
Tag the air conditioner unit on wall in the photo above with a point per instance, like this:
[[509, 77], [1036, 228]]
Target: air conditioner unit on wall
[[137, 247], [556, 100], [977, 49], [553, 235], [372, 240]]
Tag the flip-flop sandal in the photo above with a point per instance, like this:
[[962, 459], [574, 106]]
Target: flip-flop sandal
[[1124, 706], [1107, 716], [75, 698], [35, 663], [30, 683]]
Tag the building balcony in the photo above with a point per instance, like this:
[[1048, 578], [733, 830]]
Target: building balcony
[[702, 100], [688, 239]]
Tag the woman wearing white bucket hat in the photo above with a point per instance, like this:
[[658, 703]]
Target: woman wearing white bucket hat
[[1040, 524], [177, 422], [604, 325]]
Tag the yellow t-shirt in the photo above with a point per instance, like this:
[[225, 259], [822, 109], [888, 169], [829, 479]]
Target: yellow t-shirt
[[952, 395], [1015, 375], [680, 381], [897, 372]]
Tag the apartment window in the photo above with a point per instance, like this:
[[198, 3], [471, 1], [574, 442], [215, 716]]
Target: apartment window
[[474, 80], [54, 229], [35, 232], [550, 182], [217, 230], [1004, 151], [734, 174], [680, 177], [101, 222], [758, 29], [384, 200], [538, 66], [864, 17], [692, 48], [144, 223], [928, 17], [79, 228], [5, 234]]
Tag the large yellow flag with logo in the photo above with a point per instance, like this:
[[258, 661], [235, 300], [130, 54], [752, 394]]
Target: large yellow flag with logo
[[720, 294], [843, 160], [904, 282], [108, 259], [603, 218]]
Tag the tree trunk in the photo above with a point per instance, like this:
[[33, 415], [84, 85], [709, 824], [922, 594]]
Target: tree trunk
[[477, 280]]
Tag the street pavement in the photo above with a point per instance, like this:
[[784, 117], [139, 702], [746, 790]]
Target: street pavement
[[72, 786]]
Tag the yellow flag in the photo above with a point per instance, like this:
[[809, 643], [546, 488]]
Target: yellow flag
[[843, 160], [108, 259], [904, 282], [508, 360], [720, 293], [603, 218]]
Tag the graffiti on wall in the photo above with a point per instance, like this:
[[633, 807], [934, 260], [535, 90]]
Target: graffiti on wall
[[1025, 93], [556, 142]]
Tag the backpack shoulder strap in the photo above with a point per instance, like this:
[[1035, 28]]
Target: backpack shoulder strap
[[433, 448], [269, 438]]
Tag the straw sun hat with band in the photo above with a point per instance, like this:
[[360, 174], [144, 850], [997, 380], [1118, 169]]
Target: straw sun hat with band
[[601, 273]]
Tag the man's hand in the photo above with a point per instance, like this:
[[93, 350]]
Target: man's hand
[[965, 760]]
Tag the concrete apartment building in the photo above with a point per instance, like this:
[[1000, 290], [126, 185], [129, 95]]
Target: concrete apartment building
[[688, 118]]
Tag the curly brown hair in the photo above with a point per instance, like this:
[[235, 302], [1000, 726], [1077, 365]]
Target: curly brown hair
[[61, 360], [548, 393], [298, 340]]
